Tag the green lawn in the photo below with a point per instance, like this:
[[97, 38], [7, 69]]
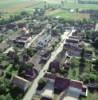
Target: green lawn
[[92, 96], [73, 74], [74, 70]]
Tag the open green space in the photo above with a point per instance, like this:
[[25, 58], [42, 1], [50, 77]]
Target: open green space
[[8, 7], [92, 96], [14, 6], [90, 0], [69, 16], [10, 3], [74, 4]]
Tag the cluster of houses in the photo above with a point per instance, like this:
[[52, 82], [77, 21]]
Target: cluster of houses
[[12, 26], [84, 26], [44, 40], [74, 46], [67, 89], [22, 40], [24, 80], [45, 55], [21, 83]]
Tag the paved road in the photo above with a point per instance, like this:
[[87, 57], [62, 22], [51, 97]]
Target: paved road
[[33, 39], [29, 44], [54, 54]]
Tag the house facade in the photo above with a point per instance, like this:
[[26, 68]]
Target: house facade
[[23, 40], [22, 83], [44, 40]]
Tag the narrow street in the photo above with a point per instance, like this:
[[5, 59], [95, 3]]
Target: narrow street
[[29, 44], [54, 54], [33, 39]]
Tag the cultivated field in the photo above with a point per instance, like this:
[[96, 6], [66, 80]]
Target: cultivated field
[[16, 6], [11, 6]]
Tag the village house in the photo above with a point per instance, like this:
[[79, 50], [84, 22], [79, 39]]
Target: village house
[[54, 66], [25, 30], [96, 27], [11, 54], [44, 40], [88, 54], [21, 25], [88, 26], [73, 46], [45, 56], [1, 27], [20, 82], [48, 91], [79, 34], [70, 88], [29, 74], [11, 26], [61, 84], [23, 40], [75, 37], [66, 64], [71, 50], [3, 47], [73, 42]]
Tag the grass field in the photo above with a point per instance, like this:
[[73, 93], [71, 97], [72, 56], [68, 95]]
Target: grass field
[[90, 0], [68, 15], [74, 4], [13, 6], [16, 6], [92, 96]]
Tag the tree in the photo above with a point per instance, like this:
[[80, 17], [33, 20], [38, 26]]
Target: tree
[[84, 77], [24, 13], [82, 53], [2, 97], [96, 42], [41, 84], [96, 64], [82, 61], [30, 65], [93, 77], [29, 52], [4, 85]]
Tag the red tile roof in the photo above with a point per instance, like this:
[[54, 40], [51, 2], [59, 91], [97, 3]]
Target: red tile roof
[[76, 84], [61, 83]]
